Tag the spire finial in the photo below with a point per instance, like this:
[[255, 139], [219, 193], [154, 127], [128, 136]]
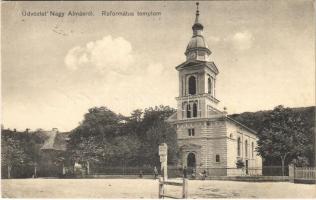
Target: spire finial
[[197, 26], [197, 13]]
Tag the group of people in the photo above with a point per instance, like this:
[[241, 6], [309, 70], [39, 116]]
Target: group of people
[[155, 173], [193, 174]]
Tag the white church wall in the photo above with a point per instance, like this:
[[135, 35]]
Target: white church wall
[[233, 132]]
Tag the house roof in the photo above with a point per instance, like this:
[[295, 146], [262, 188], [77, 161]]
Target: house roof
[[56, 141]]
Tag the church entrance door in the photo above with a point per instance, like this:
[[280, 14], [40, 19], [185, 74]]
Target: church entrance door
[[191, 163]]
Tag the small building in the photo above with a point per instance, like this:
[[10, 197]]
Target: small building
[[53, 162], [208, 139]]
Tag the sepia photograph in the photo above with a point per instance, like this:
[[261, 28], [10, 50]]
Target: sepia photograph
[[158, 99]]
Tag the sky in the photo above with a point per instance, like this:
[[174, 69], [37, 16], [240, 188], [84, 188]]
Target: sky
[[55, 68]]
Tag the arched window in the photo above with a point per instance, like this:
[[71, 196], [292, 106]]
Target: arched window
[[209, 84], [192, 85], [188, 111], [246, 148], [238, 146], [194, 110], [252, 149]]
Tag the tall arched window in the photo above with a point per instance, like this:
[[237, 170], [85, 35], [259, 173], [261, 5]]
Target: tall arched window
[[252, 149], [246, 148], [238, 146], [209, 84], [192, 85], [194, 110], [188, 111]]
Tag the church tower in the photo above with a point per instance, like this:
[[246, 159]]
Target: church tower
[[197, 78], [207, 138]]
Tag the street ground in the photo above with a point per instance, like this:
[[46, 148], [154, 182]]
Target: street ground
[[148, 188]]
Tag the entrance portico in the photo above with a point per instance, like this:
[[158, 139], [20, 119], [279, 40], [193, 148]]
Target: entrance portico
[[190, 155]]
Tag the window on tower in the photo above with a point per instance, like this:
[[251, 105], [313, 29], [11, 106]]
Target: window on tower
[[209, 84], [194, 110], [192, 85], [188, 111], [191, 132]]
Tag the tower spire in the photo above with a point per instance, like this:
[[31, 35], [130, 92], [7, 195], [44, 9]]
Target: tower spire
[[197, 26], [197, 13], [197, 48]]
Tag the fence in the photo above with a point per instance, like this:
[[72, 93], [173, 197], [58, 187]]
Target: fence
[[306, 173], [122, 170], [198, 171], [176, 171], [302, 174], [173, 171], [162, 189]]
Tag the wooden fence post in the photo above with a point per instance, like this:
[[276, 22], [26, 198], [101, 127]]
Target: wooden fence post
[[291, 173], [160, 194], [185, 188]]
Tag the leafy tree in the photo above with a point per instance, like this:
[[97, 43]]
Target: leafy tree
[[282, 136], [109, 139], [159, 133], [103, 137], [136, 115], [99, 121], [154, 131], [256, 121], [12, 153]]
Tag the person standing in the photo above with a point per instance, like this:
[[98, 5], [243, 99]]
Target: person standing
[[193, 175], [155, 172], [185, 172], [204, 174], [141, 174]]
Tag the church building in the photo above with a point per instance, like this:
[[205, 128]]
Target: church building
[[208, 139]]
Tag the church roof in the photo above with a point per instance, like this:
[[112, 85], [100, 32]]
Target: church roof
[[241, 125], [173, 119]]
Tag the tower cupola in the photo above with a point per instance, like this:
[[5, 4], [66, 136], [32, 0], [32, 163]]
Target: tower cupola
[[197, 48]]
